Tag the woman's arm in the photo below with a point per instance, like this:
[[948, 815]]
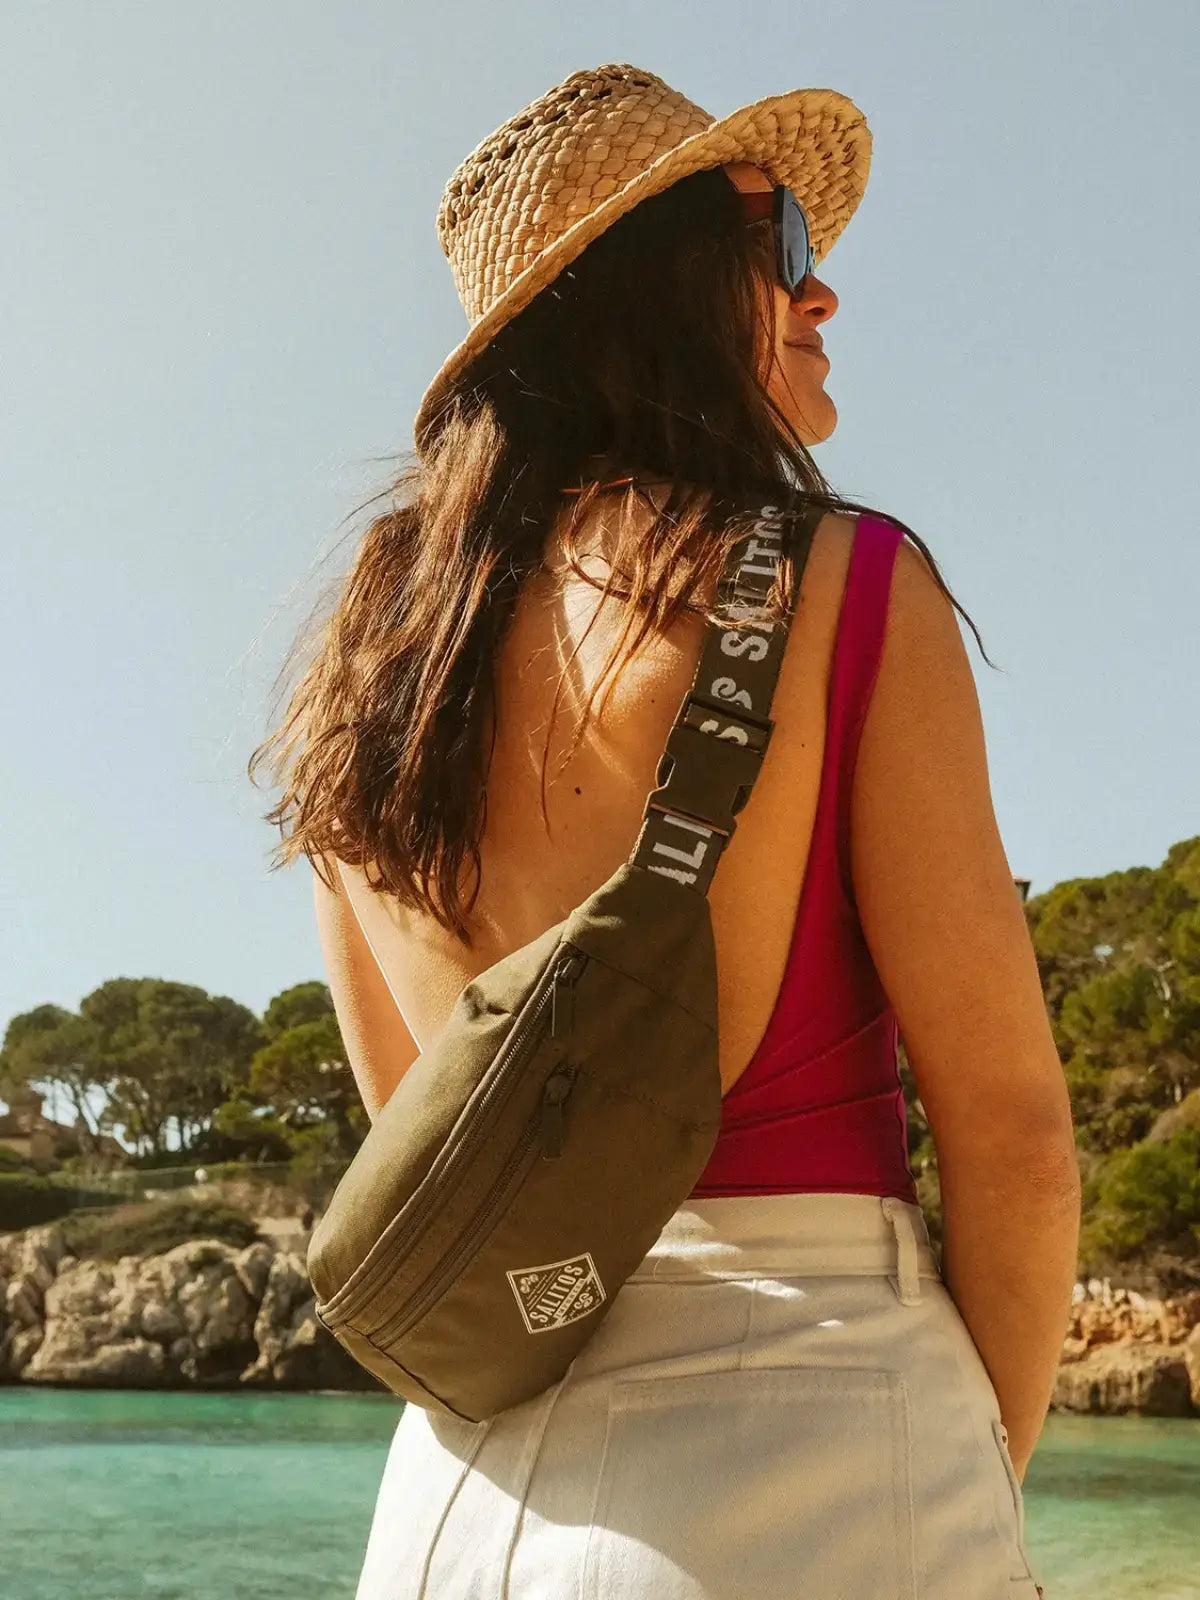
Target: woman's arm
[[946, 928], [378, 1044]]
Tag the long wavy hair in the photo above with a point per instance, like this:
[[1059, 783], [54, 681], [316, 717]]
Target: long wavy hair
[[647, 351]]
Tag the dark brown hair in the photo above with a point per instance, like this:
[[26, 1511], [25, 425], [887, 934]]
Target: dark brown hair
[[646, 351]]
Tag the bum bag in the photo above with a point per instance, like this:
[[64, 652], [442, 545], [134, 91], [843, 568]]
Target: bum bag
[[527, 1161]]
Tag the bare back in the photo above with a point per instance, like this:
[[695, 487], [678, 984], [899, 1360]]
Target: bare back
[[534, 874], [933, 890]]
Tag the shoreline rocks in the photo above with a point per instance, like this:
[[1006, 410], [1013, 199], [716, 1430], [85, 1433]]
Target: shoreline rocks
[[210, 1315], [203, 1315], [1127, 1353]]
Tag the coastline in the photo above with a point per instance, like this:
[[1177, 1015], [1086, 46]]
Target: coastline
[[208, 1315], [203, 1315]]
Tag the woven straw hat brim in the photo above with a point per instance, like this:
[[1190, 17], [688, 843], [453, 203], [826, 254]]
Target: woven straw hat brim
[[814, 141]]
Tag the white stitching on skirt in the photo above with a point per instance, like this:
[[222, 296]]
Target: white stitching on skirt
[[423, 1583], [907, 1266], [533, 1448]]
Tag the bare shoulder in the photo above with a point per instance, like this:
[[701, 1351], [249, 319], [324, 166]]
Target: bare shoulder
[[833, 541], [838, 527], [917, 599]]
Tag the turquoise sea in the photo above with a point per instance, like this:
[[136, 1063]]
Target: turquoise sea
[[125, 1495]]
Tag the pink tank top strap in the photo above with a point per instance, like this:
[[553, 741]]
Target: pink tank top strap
[[858, 651]]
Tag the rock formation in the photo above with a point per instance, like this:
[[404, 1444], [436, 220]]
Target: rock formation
[[204, 1315], [1127, 1352], [207, 1314]]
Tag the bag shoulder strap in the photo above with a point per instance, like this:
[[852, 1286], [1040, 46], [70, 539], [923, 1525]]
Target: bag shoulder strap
[[720, 735]]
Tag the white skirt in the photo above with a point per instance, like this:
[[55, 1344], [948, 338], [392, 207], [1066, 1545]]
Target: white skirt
[[783, 1403]]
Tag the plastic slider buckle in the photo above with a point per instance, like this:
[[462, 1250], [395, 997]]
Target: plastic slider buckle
[[739, 727], [707, 771]]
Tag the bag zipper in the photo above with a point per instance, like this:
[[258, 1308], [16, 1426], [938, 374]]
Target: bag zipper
[[556, 1089], [515, 1170], [562, 975]]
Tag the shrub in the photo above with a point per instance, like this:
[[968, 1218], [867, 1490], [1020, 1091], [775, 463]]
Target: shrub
[[318, 1163], [1184, 1115], [1149, 1196], [152, 1226], [27, 1200]]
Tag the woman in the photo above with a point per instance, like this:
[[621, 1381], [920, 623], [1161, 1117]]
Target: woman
[[791, 1396]]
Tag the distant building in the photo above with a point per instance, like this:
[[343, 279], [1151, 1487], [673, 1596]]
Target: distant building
[[27, 1131]]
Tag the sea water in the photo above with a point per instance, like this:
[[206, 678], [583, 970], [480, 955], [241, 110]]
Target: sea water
[[151, 1495]]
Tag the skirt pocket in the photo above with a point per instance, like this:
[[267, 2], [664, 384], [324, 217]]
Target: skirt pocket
[[762, 1481], [1013, 1526]]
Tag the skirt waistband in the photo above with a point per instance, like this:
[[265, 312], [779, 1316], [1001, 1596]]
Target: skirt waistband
[[793, 1235]]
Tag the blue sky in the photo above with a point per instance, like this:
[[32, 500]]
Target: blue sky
[[223, 296]]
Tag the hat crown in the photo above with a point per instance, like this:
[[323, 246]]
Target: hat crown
[[549, 166], [533, 195]]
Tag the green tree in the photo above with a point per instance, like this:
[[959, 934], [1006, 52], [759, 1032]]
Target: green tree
[[173, 1053], [1119, 958], [302, 1072], [246, 1132], [1148, 1197], [53, 1047], [158, 1056]]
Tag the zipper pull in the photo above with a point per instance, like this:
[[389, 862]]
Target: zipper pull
[[557, 1088], [562, 1001]]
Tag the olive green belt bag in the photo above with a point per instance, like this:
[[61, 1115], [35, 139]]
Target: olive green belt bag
[[528, 1160]]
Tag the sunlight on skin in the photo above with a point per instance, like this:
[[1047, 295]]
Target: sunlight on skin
[[800, 366]]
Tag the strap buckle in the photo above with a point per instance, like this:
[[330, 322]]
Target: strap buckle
[[710, 762], [715, 717]]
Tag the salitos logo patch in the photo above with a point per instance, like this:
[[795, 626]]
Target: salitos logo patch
[[560, 1292]]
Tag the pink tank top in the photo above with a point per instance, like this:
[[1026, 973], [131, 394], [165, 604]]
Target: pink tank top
[[820, 1107]]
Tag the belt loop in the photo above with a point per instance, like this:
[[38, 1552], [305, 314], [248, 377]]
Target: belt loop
[[908, 1275]]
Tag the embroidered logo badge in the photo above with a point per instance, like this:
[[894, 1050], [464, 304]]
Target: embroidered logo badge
[[558, 1293]]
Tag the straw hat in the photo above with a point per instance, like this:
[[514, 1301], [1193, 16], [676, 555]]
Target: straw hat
[[525, 203]]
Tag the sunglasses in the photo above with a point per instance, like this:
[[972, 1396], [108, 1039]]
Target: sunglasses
[[794, 258]]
